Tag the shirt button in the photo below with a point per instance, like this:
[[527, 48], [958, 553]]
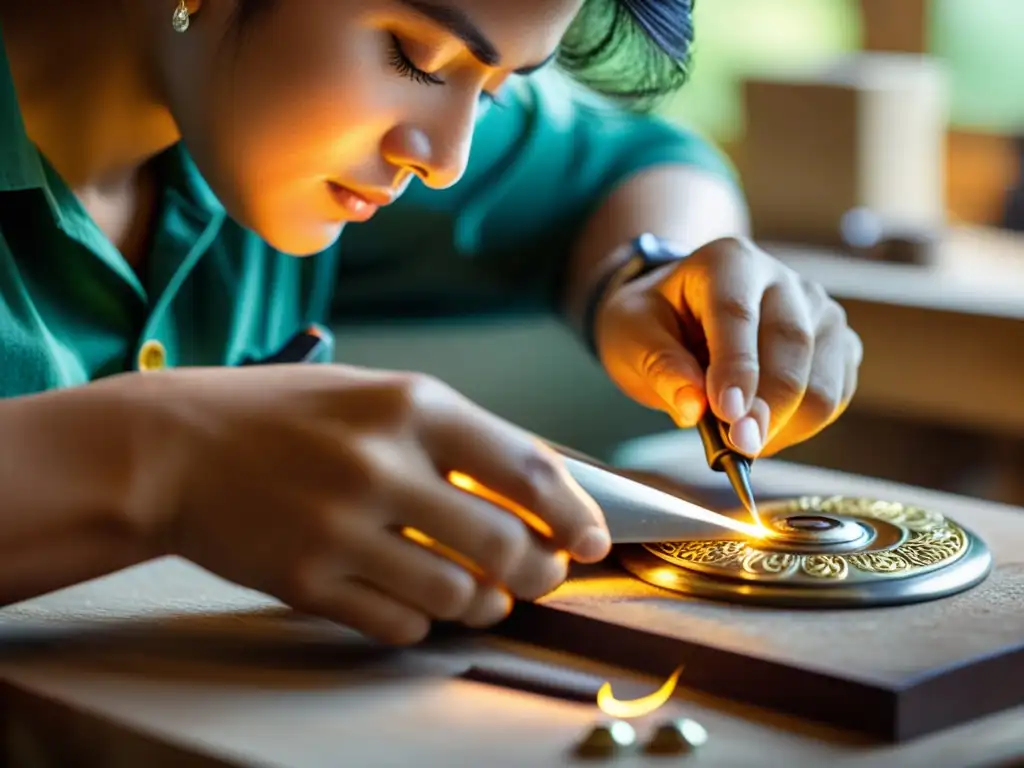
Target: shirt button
[[152, 356]]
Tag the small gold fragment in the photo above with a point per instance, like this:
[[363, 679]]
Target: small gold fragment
[[677, 737], [607, 739]]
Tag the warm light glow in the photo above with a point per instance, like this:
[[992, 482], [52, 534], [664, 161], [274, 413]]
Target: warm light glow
[[666, 502], [466, 483], [757, 519], [637, 707], [418, 537]]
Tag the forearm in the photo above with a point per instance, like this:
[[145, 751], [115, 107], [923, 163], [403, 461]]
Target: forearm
[[685, 205], [66, 469]]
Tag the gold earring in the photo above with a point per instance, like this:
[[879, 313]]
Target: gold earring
[[181, 18]]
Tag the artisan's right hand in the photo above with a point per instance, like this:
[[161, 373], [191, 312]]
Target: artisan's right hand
[[299, 480]]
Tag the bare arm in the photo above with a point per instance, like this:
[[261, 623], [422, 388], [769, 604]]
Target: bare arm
[[65, 482], [686, 205]]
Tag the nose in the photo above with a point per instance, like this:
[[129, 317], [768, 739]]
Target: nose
[[438, 156]]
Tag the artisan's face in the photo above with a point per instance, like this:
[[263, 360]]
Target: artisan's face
[[315, 100]]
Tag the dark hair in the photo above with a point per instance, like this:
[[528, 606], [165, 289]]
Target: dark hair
[[633, 51]]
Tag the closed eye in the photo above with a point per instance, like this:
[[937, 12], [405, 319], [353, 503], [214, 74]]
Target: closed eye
[[404, 66]]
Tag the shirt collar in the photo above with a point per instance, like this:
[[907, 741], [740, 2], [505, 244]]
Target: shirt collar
[[20, 165], [181, 174]]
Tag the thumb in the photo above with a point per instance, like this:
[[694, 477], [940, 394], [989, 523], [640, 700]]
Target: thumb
[[670, 373]]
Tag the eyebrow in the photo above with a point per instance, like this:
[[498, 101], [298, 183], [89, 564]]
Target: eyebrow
[[455, 21]]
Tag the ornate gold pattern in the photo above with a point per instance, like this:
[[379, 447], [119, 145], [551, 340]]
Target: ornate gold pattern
[[931, 541]]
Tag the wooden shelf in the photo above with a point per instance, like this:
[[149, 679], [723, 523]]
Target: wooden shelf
[[978, 271]]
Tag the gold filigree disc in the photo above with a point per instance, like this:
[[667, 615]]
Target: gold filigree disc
[[930, 541]]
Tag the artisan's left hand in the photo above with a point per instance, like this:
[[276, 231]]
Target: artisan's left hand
[[783, 362]]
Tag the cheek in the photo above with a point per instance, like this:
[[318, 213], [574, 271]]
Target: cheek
[[268, 132]]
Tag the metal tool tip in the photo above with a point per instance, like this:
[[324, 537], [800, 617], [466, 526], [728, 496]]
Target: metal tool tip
[[738, 471]]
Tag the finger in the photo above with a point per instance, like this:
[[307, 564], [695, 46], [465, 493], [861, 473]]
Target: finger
[[854, 357], [726, 302], [787, 343], [824, 393], [411, 573], [370, 612], [529, 478], [499, 547], [662, 373], [761, 414], [490, 606], [749, 434]]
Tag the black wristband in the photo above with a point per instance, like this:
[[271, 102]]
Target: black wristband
[[647, 254]]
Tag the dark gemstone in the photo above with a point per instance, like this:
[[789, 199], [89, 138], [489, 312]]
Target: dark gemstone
[[810, 523]]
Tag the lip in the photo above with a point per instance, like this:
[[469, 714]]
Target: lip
[[361, 205]]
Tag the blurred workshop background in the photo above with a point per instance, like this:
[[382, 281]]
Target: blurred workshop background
[[881, 143]]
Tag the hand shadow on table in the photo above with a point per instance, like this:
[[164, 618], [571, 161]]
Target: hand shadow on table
[[263, 647]]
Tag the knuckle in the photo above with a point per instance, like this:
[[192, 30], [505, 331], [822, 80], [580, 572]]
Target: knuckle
[[742, 363], [360, 472], [821, 401], [449, 592], [407, 629], [815, 291], [557, 573], [656, 363], [735, 250], [542, 472], [505, 545], [423, 386], [414, 393], [787, 384], [536, 479], [736, 308], [796, 335], [856, 346], [543, 577], [833, 314], [493, 606]]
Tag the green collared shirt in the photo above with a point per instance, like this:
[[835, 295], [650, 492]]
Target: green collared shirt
[[72, 310]]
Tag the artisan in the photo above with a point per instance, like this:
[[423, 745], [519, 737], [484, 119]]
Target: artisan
[[175, 176]]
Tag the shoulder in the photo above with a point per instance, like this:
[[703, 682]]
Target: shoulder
[[547, 118]]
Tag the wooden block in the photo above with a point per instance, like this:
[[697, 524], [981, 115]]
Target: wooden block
[[895, 26], [868, 132], [893, 673], [980, 168]]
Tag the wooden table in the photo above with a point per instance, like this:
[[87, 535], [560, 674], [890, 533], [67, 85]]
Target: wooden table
[[315, 698]]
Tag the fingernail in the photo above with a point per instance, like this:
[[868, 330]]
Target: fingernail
[[688, 406], [731, 404], [745, 434], [764, 419], [593, 545]]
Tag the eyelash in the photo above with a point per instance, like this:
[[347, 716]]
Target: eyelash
[[405, 67]]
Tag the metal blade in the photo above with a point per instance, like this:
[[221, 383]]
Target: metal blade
[[639, 513]]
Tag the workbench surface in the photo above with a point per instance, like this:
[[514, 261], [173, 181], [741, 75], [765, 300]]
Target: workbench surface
[[174, 687]]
